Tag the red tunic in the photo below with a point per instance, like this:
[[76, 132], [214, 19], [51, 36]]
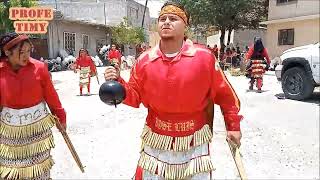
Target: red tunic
[[28, 87], [85, 61], [180, 89], [114, 54], [264, 54], [258, 66]]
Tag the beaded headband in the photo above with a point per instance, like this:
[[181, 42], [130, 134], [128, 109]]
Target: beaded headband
[[171, 9], [15, 41]]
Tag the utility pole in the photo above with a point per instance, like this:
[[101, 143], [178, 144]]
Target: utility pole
[[144, 13]]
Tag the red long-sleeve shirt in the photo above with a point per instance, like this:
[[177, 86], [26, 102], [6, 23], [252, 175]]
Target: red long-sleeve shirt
[[264, 54], [85, 61], [181, 86], [28, 87]]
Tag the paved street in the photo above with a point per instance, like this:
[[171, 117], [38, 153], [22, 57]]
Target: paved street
[[280, 137]]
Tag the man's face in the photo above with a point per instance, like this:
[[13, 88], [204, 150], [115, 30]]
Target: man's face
[[171, 26], [20, 58], [82, 52]]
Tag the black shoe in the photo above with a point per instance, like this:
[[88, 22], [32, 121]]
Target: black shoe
[[251, 87]]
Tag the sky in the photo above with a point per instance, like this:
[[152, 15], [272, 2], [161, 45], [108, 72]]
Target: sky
[[153, 5]]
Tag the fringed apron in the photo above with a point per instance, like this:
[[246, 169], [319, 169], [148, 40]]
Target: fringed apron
[[25, 143], [175, 148]]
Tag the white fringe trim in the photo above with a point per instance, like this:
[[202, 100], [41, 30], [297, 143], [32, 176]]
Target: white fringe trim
[[198, 165]]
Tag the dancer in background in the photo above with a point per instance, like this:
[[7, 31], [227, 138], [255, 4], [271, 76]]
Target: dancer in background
[[87, 69], [259, 62], [114, 55]]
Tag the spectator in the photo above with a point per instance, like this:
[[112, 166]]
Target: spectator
[[215, 51]]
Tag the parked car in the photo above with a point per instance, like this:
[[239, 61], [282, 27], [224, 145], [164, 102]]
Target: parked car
[[299, 71], [274, 63]]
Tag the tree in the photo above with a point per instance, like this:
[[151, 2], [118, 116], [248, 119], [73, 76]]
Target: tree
[[225, 14], [126, 34], [6, 25]]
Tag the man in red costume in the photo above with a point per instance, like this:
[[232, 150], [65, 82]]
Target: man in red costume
[[25, 124], [87, 69], [259, 62], [176, 81], [114, 55]]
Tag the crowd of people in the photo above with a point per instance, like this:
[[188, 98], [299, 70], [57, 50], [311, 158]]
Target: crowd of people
[[230, 56]]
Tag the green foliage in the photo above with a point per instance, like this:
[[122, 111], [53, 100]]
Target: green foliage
[[225, 14], [126, 34], [208, 16], [190, 33], [6, 25]]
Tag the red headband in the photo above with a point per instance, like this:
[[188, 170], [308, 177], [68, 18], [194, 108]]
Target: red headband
[[171, 9], [15, 41]]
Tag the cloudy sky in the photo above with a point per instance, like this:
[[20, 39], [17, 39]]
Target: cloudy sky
[[153, 5]]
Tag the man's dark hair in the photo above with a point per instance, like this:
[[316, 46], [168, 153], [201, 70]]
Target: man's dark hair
[[6, 38], [258, 45], [179, 6]]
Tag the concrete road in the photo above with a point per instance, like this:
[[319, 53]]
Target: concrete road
[[280, 137]]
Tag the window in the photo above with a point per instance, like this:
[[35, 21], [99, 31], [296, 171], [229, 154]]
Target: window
[[284, 1], [69, 40], [134, 12], [85, 41], [286, 37]]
